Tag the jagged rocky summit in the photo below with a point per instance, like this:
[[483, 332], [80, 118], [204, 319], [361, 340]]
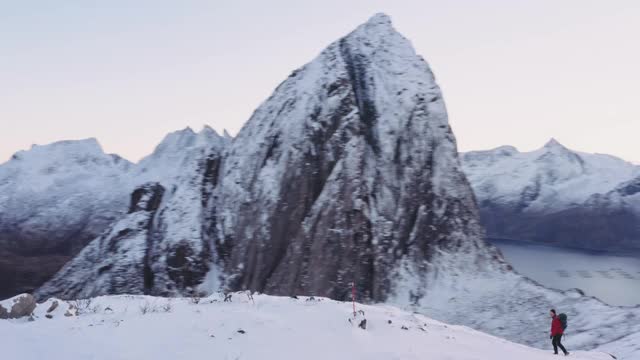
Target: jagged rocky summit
[[347, 173]]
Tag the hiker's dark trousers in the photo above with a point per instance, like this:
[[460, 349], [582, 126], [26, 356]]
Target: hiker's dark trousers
[[557, 344]]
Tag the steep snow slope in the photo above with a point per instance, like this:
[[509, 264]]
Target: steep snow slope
[[53, 199], [265, 328], [556, 195], [349, 171], [161, 246], [627, 347]]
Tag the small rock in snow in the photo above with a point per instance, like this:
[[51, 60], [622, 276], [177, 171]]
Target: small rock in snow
[[53, 306]]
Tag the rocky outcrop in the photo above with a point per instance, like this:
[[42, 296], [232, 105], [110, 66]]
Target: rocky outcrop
[[23, 305], [18, 307]]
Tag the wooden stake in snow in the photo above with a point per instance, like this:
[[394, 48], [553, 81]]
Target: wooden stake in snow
[[353, 297]]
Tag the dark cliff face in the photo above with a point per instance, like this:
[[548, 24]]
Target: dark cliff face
[[352, 168]]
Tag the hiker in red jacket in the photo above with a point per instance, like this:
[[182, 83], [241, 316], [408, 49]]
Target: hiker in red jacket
[[556, 333]]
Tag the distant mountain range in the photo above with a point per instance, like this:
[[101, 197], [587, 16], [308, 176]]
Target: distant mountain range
[[558, 196]]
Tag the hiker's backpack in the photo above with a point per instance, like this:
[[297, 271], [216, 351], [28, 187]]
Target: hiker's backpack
[[563, 321]]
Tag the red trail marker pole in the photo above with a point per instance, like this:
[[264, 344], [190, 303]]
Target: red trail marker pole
[[353, 297]]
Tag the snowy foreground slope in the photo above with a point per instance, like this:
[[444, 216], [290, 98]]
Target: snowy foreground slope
[[278, 328], [557, 195]]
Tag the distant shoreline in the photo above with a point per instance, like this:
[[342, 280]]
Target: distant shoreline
[[634, 253]]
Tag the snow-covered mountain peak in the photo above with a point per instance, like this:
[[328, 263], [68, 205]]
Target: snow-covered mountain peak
[[47, 165], [175, 140], [353, 145], [186, 138], [552, 176], [377, 25], [377, 36], [379, 19], [554, 144], [177, 150], [208, 136], [208, 131], [507, 150], [556, 154], [67, 151]]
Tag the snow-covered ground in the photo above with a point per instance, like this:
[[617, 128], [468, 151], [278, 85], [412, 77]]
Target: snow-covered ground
[[267, 327]]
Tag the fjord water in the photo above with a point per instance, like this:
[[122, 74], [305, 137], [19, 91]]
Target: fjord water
[[612, 277]]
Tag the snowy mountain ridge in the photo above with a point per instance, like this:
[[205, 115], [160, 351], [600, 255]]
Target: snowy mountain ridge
[[564, 177], [557, 195]]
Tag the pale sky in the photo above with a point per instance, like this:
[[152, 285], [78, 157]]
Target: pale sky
[[127, 72]]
